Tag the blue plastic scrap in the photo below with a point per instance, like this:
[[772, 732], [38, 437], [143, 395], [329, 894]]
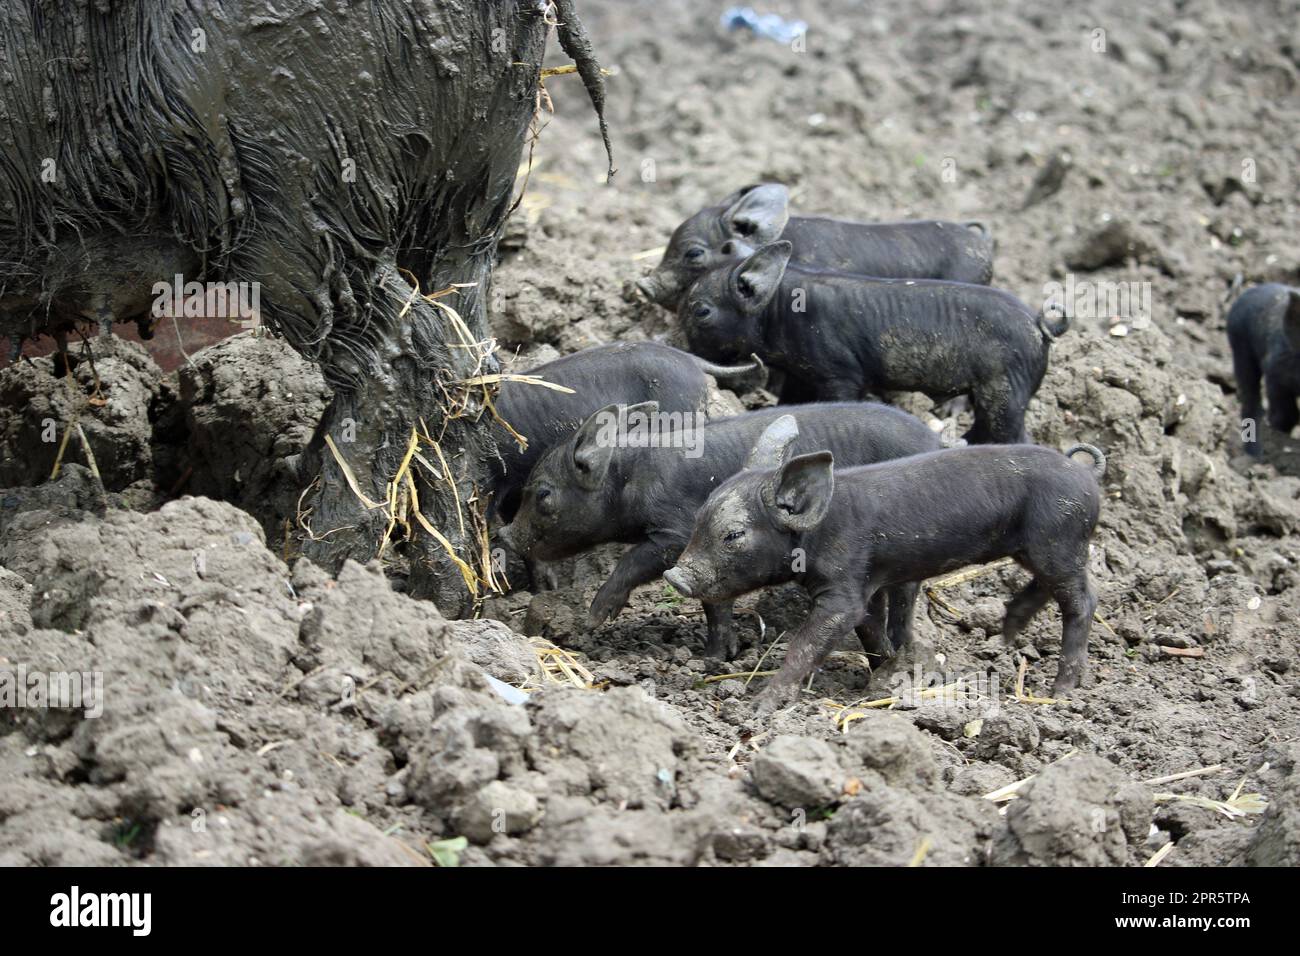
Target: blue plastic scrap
[[768, 25]]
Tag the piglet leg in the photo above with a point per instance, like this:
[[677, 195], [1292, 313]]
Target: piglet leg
[[722, 643], [1077, 604], [643, 564], [831, 618], [902, 608], [872, 631], [1282, 414]]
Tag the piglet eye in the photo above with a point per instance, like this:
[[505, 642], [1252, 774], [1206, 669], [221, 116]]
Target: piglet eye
[[694, 255], [545, 505], [733, 536], [702, 311]]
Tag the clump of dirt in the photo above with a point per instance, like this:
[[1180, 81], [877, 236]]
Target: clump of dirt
[[15, 599], [111, 392], [245, 409], [230, 424], [247, 713], [1081, 812], [1277, 840]]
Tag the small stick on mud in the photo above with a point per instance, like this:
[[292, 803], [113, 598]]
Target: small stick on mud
[[1096, 616], [721, 677], [755, 672], [922, 849], [847, 713], [284, 691], [58, 458], [1168, 596], [961, 577], [970, 574], [1183, 651], [1170, 778], [1235, 807], [1160, 854], [1020, 695], [422, 679], [1009, 792], [94, 465], [180, 343]]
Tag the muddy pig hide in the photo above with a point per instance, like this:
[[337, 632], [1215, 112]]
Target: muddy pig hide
[[341, 159]]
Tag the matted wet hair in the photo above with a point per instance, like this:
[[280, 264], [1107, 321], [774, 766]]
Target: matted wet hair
[[224, 133]]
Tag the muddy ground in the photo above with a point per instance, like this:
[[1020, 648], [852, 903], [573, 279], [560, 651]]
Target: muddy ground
[[255, 711]]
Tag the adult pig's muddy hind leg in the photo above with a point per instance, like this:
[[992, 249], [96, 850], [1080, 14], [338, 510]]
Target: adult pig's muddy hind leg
[[543, 575], [399, 379], [984, 407]]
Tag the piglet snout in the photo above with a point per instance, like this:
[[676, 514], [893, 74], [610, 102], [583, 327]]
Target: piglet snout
[[678, 579]]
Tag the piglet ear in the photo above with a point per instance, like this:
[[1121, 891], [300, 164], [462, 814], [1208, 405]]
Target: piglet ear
[[640, 415], [756, 280], [593, 447], [736, 197], [799, 495], [1291, 319], [773, 445], [736, 249], [758, 214]]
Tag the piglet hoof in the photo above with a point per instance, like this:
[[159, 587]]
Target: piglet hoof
[[604, 609], [772, 698], [1067, 679], [722, 648]]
